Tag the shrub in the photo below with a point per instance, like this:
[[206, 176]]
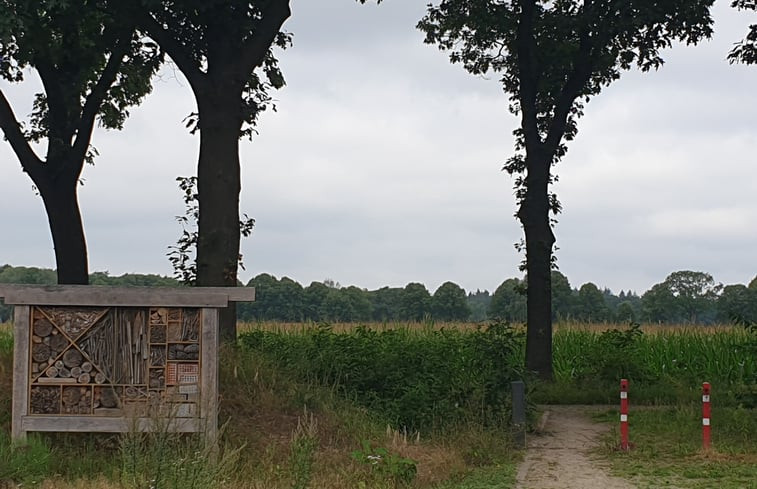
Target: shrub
[[415, 379]]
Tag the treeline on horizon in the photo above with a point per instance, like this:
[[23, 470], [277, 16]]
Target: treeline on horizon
[[684, 297]]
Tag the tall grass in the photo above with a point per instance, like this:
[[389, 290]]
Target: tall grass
[[6, 379]]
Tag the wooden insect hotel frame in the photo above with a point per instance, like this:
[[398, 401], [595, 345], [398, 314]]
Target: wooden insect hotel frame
[[116, 359]]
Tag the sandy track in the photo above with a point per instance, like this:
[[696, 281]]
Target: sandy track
[[559, 456]]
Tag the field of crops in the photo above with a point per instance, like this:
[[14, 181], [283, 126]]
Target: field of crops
[[663, 363]]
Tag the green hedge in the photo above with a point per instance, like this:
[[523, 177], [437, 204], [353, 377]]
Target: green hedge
[[413, 379]]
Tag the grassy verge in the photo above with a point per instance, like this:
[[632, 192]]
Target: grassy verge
[[667, 448], [280, 432]]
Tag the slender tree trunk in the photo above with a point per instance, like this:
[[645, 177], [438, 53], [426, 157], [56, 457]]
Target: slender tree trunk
[[62, 206], [534, 214], [218, 184]]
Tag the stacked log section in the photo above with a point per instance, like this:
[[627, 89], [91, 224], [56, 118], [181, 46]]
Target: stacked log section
[[45, 400], [76, 400], [178, 351], [72, 358]]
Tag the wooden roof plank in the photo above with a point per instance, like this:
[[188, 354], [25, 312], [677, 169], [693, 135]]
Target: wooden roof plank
[[90, 295]]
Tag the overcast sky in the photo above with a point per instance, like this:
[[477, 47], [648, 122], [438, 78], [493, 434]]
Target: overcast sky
[[383, 164]]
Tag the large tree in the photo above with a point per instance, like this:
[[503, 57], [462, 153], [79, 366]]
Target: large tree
[[224, 48], [745, 51], [695, 292], [449, 303], [92, 67], [591, 304], [684, 296], [415, 304], [553, 56]]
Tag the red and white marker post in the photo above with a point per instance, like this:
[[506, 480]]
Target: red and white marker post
[[706, 416], [624, 414]]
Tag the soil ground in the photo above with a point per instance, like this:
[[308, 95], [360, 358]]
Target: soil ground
[[559, 455]]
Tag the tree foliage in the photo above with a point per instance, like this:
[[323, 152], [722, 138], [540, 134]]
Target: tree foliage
[[221, 45], [286, 300], [183, 255], [738, 303], [591, 304], [449, 303], [745, 51], [509, 301], [415, 304], [684, 296]]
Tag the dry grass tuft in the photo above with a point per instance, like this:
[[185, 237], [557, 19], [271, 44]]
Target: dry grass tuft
[[651, 328]]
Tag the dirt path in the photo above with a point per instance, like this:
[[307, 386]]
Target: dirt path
[[559, 456]]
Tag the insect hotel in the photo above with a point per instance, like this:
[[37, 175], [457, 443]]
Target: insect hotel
[[116, 359]]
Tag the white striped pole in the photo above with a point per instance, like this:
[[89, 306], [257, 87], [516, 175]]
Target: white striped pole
[[706, 415], [624, 414]]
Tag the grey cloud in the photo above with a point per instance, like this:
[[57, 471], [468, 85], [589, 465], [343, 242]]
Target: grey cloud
[[382, 167]]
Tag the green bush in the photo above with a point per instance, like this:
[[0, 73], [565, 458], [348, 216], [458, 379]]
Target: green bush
[[415, 379]]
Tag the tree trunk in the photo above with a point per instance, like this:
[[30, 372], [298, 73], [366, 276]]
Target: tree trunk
[[218, 185], [62, 206], [534, 214]]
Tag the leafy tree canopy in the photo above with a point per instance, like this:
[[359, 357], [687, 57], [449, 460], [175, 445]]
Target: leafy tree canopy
[[217, 45], [745, 51], [591, 304], [416, 302], [509, 301], [90, 63], [577, 48], [683, 296], [738, 304], [449, 303]]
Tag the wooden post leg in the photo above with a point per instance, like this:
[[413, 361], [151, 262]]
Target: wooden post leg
[[21, 323], [209, 384]]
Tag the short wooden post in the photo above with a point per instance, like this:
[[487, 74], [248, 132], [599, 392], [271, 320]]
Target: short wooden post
[[519, 413]]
